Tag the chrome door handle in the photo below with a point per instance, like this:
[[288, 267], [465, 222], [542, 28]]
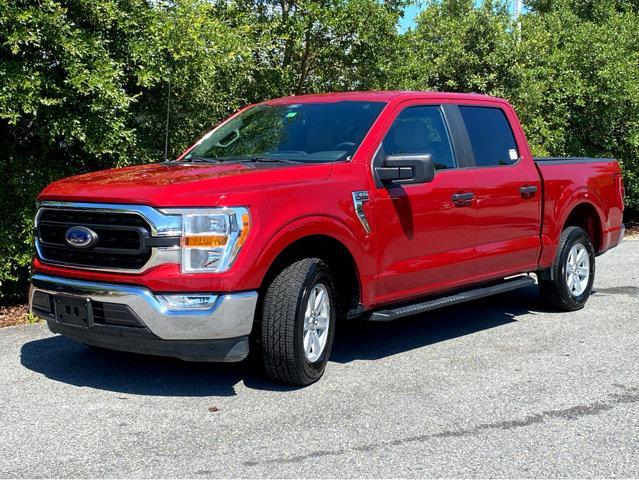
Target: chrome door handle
[[528, 190], [462, 199]]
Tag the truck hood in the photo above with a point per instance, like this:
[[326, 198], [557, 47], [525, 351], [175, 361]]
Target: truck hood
[[181, 184]]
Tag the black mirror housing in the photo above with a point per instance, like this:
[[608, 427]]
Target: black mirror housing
[[406, 169]]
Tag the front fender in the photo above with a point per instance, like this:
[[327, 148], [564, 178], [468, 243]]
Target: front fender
[[359, 246]]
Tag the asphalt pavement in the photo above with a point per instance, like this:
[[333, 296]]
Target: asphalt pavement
[[501, 387]]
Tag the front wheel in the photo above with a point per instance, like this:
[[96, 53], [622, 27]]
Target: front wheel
[[572, 272], [298, 322]]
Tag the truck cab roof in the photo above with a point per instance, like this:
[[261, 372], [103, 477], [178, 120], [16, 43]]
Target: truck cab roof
[[382, 96]]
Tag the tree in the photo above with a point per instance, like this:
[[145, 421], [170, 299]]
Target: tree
[[578, 72], [459, 47], [571, 70], [306, 46], [83, 86]]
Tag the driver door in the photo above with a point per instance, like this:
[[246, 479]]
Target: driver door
[[426, 235]]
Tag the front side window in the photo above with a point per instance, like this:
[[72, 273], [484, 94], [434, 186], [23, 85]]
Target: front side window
[[302, 132], [491, 137], [421, 130]]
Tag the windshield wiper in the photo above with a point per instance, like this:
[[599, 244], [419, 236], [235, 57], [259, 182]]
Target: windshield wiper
[[202, 159], [256, 159], [268, 160]]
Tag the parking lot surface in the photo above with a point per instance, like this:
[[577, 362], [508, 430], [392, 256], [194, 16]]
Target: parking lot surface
[[495, 388]]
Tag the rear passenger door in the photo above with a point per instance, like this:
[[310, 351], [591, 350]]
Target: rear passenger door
[[508, 192]]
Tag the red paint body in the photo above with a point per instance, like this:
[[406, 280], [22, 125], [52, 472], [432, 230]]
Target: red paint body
[[420, 243]]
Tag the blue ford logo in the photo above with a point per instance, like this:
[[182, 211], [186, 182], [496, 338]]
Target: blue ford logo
[[81, 237]]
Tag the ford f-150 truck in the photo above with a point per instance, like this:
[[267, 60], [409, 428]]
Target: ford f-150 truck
[[299, 212]]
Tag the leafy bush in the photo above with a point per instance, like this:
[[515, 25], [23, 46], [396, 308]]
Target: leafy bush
[[84, 84], [570, 68], [579, 89]]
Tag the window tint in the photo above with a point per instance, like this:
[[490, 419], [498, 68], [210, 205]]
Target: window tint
[[490, 135], [421, 130]]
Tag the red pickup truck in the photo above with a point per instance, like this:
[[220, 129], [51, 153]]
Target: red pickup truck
[[299, 212]]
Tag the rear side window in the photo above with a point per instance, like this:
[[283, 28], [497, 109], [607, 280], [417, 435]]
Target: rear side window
[[491, 138], [421, 130]]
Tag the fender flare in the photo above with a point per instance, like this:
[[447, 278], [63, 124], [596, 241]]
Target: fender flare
[[316, 225], [583, 196]]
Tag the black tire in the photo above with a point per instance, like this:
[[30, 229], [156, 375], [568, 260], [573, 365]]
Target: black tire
[[552, 284], [282, 323]]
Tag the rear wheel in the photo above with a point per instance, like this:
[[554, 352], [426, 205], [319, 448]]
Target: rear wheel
[[568, 284], [298, 322]]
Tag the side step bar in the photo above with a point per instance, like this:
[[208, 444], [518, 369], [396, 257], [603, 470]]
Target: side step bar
[[461, 297]]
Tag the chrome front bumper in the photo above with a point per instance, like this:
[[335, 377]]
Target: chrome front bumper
[[231, 315]]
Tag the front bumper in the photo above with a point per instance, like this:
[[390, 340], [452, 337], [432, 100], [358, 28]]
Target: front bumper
[[131, 318]]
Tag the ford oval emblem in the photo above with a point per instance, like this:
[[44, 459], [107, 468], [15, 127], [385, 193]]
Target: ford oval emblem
[[81, 237]]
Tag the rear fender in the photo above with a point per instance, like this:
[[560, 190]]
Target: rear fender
[[555, 220]]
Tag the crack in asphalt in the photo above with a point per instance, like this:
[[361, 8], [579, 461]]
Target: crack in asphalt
[[630, 395]]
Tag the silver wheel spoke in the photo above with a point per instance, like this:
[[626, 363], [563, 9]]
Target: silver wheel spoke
[[311, 302], [580, 255], [319, 299], [323, 322], [315, 342], [309, 343]]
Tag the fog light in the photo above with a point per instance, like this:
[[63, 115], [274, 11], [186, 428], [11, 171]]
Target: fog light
[[187, 301]]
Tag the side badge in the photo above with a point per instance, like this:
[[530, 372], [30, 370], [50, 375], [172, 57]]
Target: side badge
[[359, 199]]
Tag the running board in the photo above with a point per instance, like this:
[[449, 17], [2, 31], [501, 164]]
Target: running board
[[461, 297]]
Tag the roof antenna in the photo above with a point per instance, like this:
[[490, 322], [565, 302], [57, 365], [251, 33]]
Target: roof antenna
[[166, 134]]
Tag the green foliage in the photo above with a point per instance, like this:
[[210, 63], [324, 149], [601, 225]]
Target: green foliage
[[317, 45], [570, 68], [578, 90], [458, 47], [84, 84]]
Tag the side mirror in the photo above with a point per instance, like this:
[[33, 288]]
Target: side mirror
[[406, 169]]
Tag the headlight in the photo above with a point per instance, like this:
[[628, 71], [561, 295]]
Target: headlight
[[211, 239]]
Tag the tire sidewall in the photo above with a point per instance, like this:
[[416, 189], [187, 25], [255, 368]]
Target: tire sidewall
[[575, 237], [319, 274]]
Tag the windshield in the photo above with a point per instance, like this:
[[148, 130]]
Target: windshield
[[302, 132]]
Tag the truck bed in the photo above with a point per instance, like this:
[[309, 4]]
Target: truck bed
[[569, 181]]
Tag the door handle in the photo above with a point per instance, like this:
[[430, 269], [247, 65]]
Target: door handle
[[462, 199], [528, 190]]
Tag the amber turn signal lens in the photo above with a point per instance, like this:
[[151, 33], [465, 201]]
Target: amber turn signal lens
[[204, 241], [246, 224]]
